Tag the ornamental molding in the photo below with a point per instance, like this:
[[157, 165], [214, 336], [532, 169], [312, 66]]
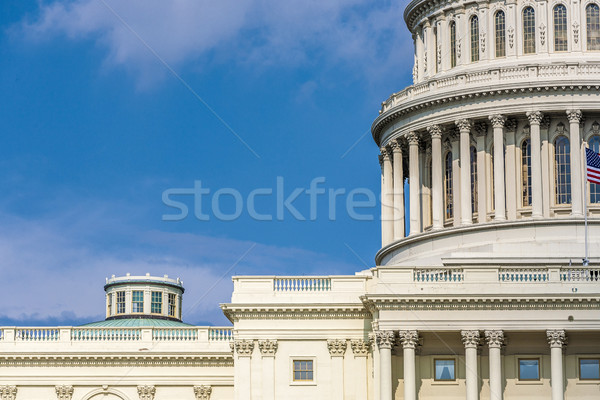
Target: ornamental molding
[[560, 129], [482, 38], [243, 347], [543, 34], [202, 392], [8, 392], [511, 37], [464, 124], [337, 347], [125, 360], [64, 392], [535, 117], [275, 312], [545, 124], [385, 339], [360, 348], [408, 339], [574, 116], [470, 338], [423, 303], [595, 128], [556, 337], [497, 120], [494, 338], [575, 32], [435, 131], [268, 347], [146, 392]]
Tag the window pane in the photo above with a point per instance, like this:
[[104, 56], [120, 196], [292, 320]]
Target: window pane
[[474, 39], [500, 27], [562, 170], [452, 44], [448, 185], [473, 179], [526, 172], [592, 15], [444, 370], [529, 369], [589, 369], [303, 370], [138, 301], [528, 31], [560, 28]]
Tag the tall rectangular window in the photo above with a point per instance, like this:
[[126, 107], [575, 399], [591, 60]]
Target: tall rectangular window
[[474, 38], [137, 301], [528, 30], [120, 302], [594, 144], [562, 170], [560, 28], [592, 17], [172, 305], [303, 370], [589, 369], [452, 44], [529, 369], [500, 28], [156, 306], [526, 172]]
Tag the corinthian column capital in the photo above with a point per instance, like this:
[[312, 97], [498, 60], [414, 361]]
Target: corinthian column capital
[[202, 392], [413, 138], [556, 337], [337, 347], [64, 392], [470, 338], [497, 120], [267, 347], [396, 146], [494, 338], [8, 392], [385, 339], [435, 131], [574, 116], [243, 347], [464, 124], [360, 347], [409, 339], [385, 153], [535, 117]]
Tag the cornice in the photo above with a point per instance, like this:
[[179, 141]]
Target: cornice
[[492, 302], [120, 360], [239, 312]]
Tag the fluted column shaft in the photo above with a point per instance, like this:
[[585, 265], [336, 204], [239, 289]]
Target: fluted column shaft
[[495, 340], [385, 340], [481, 175], [498, 125], [437, 190], [466, 212], [387, 203], [398, 191], [535, 118], [556, 339], [510, 173], [471, 341], [409, 341], [414, 183], [456, 195], [575, 117]]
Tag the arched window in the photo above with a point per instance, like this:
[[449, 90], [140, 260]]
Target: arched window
[[500, 30], [592, 17], [528, 30], [562, 170], [474, 38], [594, 144], [473, 179], [526, 172], [448, 186], [560, 28], [452, 44]]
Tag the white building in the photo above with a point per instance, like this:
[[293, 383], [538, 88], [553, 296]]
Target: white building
[[486, 297]]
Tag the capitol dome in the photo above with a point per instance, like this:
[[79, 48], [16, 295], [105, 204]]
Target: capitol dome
[[491, 135]]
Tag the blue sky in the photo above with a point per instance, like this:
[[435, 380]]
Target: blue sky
[[103, 108]]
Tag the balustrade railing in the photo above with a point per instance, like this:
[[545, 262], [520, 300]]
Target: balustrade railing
[[523, 275], [37, 334], [580, 275], [304, 284], [106, 334], [439, 275], [220, 334], [175, 334]]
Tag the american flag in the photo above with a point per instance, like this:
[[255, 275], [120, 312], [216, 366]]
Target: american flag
[[592, 161]]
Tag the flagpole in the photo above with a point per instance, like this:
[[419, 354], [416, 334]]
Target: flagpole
[[585, 213]]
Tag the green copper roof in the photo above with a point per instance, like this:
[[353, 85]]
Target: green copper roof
[[137, 322]]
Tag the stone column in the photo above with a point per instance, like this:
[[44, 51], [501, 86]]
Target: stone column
[[385, 340], [575, 117], [557, 339], [510, 170], [387, 201], [65, 392], [360, 349], [535, 118], [481, 132], [464, 126], [414, 182], [398, 190], [437, 187], [242, 369], [409, 341], [337, 349], [495, 338], [456, 195], [546, 173], [202, 392], [498, 125], [268, 349], [471, 340]]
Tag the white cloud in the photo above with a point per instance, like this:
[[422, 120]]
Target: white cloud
[[358, 33]]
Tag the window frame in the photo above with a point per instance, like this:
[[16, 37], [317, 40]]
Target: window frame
[[152, 302], [498, 40], [448, 187], [172, 305], [474, 41], [137, 302], [588, 24], [452, 35], [526, 178], [123, 303], [435, 379], [590, 380], [567, 164], [565, 26], [528, 38], [313, 360], [539, 368], [474, 177], [592, 186]]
